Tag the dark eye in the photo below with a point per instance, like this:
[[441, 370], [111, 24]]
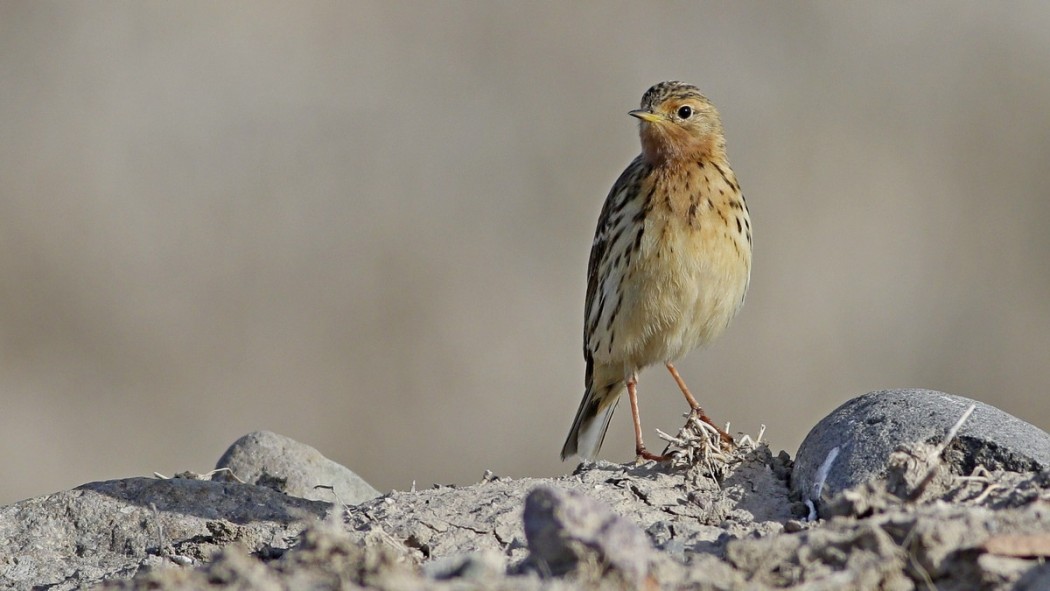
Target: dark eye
[[685, 111]]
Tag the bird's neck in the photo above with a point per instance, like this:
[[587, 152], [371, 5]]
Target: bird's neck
[[678, 155], [674, 162]]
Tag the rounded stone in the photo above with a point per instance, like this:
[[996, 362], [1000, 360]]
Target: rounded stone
[[267, 459], [852, 444]]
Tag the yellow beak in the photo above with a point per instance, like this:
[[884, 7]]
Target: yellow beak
[[647, 116]]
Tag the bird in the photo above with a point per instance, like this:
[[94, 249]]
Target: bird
[[670, 263]]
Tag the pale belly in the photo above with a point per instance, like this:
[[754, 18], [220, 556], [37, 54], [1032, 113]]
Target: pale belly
[[682, 290]]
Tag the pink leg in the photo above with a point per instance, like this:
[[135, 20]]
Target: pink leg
[[639, 445], [693, 404]]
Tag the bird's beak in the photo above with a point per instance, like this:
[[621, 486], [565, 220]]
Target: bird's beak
[[647, 116]]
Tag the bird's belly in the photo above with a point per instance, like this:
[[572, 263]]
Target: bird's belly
[[687, 287]]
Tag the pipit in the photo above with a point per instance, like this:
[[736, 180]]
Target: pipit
[[670, 263]]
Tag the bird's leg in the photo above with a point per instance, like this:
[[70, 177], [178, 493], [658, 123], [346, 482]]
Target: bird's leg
[[693, 404], [639, 445]]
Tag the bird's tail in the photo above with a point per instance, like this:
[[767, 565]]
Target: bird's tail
[[592, 420]]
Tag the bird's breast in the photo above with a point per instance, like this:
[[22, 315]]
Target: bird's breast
[[694, 265]]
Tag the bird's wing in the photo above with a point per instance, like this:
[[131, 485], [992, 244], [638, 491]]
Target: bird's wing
[[605, 235]]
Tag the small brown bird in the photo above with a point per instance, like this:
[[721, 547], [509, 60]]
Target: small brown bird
[[670, 263]]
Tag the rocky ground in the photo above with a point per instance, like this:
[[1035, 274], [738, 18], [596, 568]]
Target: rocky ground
[[895, 490]]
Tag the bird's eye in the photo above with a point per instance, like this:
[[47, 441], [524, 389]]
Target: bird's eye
[[685, 111]]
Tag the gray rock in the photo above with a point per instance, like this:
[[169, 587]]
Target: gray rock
[[1035, 579], [325, 558], [113, 529], [483, 565], [725, 524], [686, 515], [855, 441], [566, 528], [267, 459]]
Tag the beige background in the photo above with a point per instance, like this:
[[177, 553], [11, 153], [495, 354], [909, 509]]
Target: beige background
[[366, 226]]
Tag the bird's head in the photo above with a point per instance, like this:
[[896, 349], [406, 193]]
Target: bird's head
[[677, 123]]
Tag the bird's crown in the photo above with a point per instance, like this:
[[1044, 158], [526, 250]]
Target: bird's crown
[[670, 90]]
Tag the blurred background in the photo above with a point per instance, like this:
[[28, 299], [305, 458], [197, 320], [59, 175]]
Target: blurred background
[[366, 225]]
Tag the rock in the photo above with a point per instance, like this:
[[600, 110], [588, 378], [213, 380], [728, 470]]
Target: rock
[[113, 529], [916, 546], [267, 459], [726, 523], [566, 528], [859, 557], [684, 515], [1035, 579], [324, 558], [481, 566], [855, 441]]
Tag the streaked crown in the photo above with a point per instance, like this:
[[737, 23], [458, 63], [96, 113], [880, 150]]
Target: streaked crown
[[670, 90]]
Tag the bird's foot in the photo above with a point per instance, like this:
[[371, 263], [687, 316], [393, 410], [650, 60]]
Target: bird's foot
[[726, 438], [642, 454]]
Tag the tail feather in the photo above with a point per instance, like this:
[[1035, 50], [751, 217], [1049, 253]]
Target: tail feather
[[592, 421]]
